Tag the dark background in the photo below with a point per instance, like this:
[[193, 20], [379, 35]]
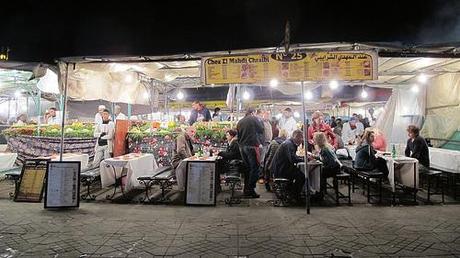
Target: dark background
[[44, 30]]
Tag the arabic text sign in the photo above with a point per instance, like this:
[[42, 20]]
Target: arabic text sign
[[314, 66]]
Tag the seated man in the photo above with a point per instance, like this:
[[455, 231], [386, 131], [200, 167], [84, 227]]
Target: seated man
[[272, 148], [183, 149], [284, 163], [417, 147]]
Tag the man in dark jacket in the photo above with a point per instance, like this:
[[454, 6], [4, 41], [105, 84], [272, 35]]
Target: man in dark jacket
[[199, 113], [284, 163], [417, 147], [249, 131]]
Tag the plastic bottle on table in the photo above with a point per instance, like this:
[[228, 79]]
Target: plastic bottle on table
[[393, 151]]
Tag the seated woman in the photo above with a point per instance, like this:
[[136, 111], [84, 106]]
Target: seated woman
[[380, 142], [272, 148], [417, 147], [229, 156], [233, 150], [365, 155], [326, 155], [183, 149]]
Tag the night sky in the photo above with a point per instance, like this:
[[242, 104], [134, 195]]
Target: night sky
[[44, 30]]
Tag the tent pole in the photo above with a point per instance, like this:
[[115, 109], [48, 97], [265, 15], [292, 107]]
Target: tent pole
[[129, 111], [305, 144], [39, 111], [64, 104]]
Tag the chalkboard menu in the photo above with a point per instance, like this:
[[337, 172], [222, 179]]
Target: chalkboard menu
[[200, 186], [31, 181], [62, 184]]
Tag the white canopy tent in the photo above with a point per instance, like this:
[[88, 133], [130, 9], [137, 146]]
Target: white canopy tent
[[130, 79]]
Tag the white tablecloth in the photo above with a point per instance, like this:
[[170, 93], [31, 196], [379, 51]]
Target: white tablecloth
[[446, 160], [83, 158], [7, 160], [401, 169], [136, 166], [314, 174]]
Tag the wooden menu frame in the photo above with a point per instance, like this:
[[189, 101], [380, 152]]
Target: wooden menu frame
[[31, 181]]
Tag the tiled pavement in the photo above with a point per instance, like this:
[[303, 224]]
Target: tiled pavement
[[133, 230]]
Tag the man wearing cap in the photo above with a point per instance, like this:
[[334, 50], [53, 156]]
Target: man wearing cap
[[250, 130], [98, 116], [351, 131], [287, 122]]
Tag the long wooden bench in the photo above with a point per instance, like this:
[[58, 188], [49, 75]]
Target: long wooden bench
[[163, 177]]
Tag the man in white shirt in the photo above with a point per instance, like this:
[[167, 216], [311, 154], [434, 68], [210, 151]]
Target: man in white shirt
[[98, 116], [104, 132], [51, 117], [119, 115], [287, 122], [351, 131]]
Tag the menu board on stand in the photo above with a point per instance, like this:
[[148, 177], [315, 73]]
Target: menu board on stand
[[62, 184], [200, 184], [31, 181]]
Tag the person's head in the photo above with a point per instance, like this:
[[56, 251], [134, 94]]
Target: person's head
[[250, 111], [105, 115], [332, 118], [353, 121], [266, 115], [52, 112], [368, 136], [181, 118], [117, 110], [317, 118], [320, 140], [101, 109], [360, 117], [283, 134], [287, 112], [297, 137], [231, 134], [217, 110], [338, 121], [413, 131], [22, 117], [196, 105]]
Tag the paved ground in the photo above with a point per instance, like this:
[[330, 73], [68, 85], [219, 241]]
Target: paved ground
[[133, 230]]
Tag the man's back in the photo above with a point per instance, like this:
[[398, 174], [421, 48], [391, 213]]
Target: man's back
[[249, 131]]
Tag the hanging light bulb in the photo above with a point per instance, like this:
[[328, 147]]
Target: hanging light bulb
[[333, 84], [364, 94], [274, 83], [422, 78], [146, 95], [415, 88], [246, 95], [296, 114], [308, 95], [180, 95], [17, 94]]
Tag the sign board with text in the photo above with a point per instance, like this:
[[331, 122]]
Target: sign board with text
[[31, 182], [290, 67], [62, 184], [200, 183]]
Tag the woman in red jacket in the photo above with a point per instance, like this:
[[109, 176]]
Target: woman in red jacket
[[318, 125]]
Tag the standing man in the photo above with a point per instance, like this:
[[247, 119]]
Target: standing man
[[118, 114], [199, 113], [98, 116], [249, 131], [104, 133], [287, 122], [351, 131], [266, 138]]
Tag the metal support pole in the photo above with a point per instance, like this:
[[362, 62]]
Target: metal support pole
[[39, 111], [64, 104], [305, 144], [129, 111]]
